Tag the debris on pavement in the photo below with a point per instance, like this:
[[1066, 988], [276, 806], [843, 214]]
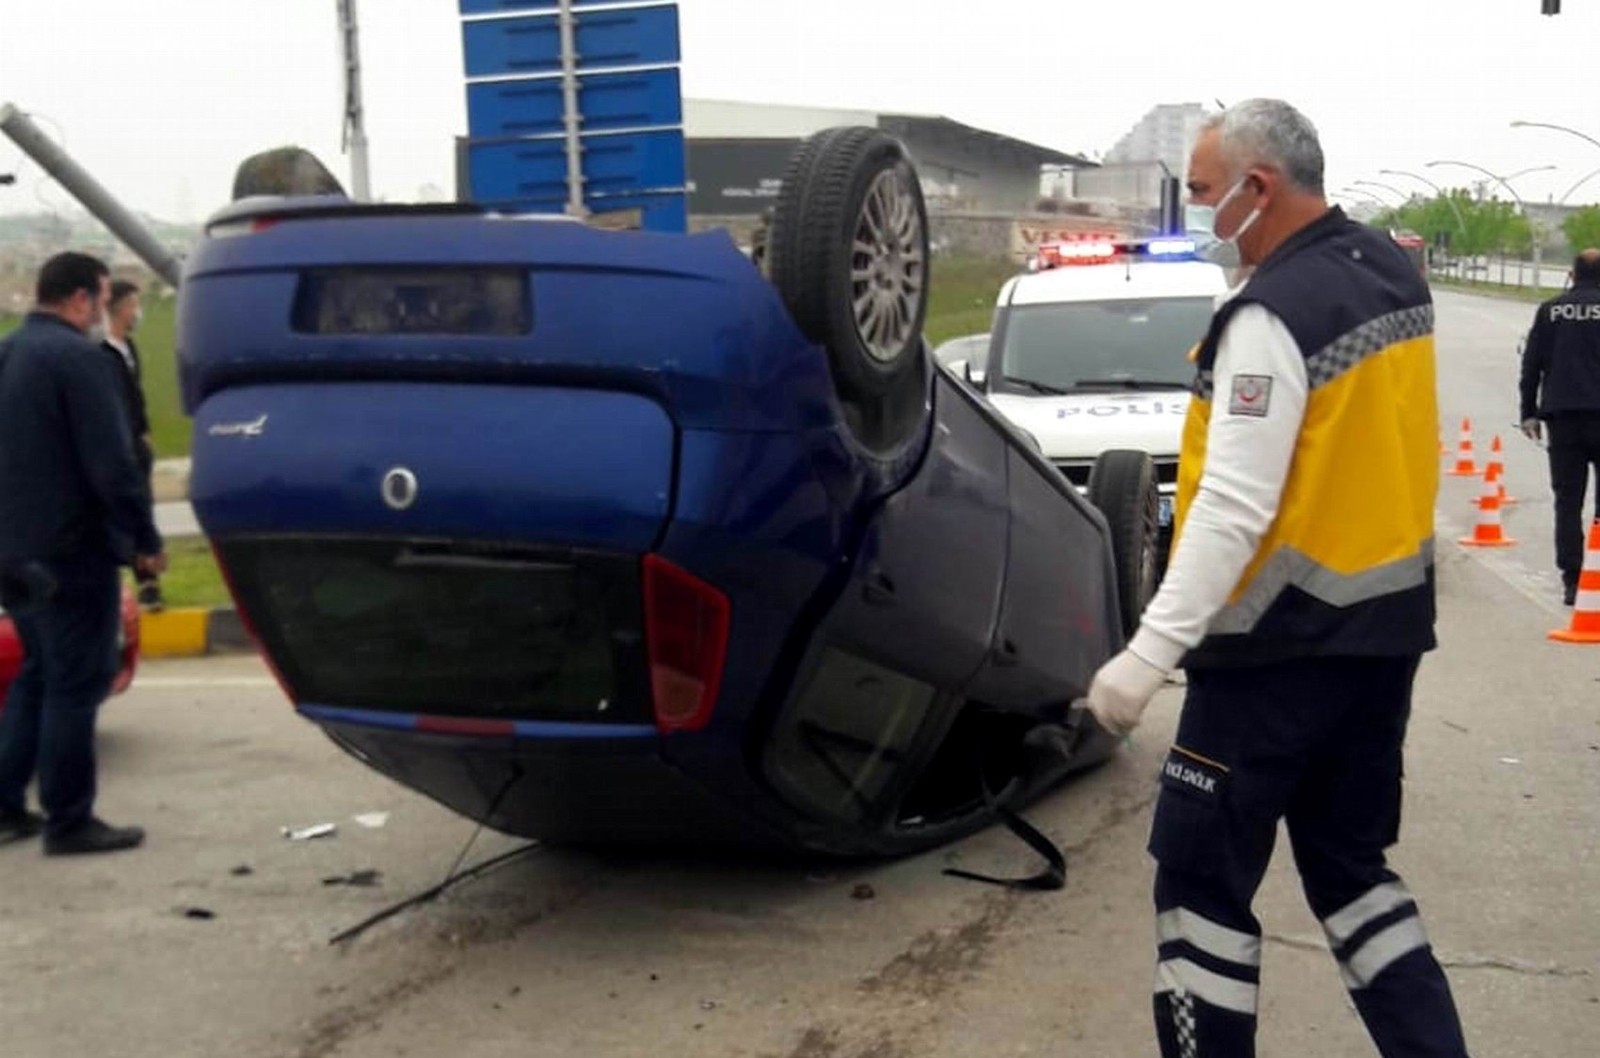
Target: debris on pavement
[[372, 820], [199, 912], [863, 892], [319, 830], [242, 870], [1510, 760], [364, 879]]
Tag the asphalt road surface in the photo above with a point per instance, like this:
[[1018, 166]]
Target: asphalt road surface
[[214, 938]]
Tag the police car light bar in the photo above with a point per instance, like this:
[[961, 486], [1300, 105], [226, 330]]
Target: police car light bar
[[1098, 250]]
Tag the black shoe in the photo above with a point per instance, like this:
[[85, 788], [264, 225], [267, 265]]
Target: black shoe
[[1569, 595], [19, 825], [90, 837]]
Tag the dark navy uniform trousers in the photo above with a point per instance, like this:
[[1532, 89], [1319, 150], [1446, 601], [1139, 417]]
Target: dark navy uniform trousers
[[69, 647], [1317, 743]]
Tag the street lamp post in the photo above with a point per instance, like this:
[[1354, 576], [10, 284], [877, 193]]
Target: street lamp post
[[1351, 192], [1504, 181], [1558, 128], [1568, 193], [1404, 198], [1449, 201]]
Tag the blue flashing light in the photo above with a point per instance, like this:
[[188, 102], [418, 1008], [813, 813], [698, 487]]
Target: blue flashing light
[[1170, 247]]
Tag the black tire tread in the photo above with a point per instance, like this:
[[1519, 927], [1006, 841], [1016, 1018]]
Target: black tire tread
[[1122, 486]]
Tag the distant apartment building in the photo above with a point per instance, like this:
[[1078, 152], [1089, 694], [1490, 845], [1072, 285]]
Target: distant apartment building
[[1165, 134]]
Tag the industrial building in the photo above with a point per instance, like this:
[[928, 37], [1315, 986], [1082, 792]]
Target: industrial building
[[737, 152]]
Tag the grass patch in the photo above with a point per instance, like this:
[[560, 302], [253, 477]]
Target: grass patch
[[192, 577], [158, 352], [1496, 290], [961, 296]]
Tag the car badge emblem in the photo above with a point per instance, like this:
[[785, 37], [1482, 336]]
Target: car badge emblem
[[253, 428], [399, 488]]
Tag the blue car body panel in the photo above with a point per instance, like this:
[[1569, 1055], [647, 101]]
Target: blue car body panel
[[562, 467], [662, 402]]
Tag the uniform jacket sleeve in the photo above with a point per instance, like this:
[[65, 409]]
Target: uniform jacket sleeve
[[1535, 362], [1248, 452], [103, 443]]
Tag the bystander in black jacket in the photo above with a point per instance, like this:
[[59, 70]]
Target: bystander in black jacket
[[129, 370], [69, 481]]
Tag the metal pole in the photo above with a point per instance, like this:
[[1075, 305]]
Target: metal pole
[[87, 190], [1536, 230], [355, 131], [569, 109], [1449, 201]]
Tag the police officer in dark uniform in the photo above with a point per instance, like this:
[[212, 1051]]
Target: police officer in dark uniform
[[74, 506], [1299, 598], [1561, 388]]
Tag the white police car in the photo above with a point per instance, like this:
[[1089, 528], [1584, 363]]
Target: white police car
[[1089, 351]]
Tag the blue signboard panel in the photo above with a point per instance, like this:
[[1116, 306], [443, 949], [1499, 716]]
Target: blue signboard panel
[[607, 101], [640, 36], [629, 101], [520, 7], [536, 170]]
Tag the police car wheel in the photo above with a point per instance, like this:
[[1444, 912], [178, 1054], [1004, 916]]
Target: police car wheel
[[847, 250], [1122, 485]]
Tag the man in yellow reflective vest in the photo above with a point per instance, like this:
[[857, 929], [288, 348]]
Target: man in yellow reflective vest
[[1299, 598]]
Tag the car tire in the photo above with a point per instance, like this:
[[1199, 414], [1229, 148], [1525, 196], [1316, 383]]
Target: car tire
[[1122, 486], [847, 250]]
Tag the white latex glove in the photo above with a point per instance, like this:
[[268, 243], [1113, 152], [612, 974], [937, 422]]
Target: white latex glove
[[1121, 689], [1531, 429]]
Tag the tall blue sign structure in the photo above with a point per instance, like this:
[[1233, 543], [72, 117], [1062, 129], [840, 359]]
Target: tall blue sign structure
[[575, 106]]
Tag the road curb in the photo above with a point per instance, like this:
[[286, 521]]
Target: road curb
[[191, 631]]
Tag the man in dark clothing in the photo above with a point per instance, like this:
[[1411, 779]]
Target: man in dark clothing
[[74, 506], [123, 315], [1561, 387], [1299, 599]]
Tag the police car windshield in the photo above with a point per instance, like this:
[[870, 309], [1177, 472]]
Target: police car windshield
[[1095, 345]]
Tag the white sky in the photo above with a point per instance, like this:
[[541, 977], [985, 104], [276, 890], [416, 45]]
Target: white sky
[[160, 99]]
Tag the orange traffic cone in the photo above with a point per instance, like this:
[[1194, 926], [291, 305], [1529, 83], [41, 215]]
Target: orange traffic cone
[[1494, 472], [1466, 466], [1497, 471], [1487, 532], [1585, 627]]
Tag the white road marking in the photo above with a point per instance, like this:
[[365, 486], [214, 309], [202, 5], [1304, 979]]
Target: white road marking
[[170, 683]]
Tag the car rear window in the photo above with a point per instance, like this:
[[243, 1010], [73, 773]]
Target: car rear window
[[447, 629], [388, 300]]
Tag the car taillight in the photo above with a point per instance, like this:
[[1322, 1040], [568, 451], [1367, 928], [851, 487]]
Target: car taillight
[[227, 229], [686, 633]]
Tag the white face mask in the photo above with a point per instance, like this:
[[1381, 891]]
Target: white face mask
[[1255, 214]]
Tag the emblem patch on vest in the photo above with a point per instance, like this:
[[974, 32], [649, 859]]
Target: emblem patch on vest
[[1251, 395]]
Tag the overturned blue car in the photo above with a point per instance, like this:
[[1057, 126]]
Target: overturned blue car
[[616, 536]]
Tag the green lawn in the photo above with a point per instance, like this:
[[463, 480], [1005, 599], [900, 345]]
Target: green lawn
[[1528, 294], [961, 297], [192, 577]]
